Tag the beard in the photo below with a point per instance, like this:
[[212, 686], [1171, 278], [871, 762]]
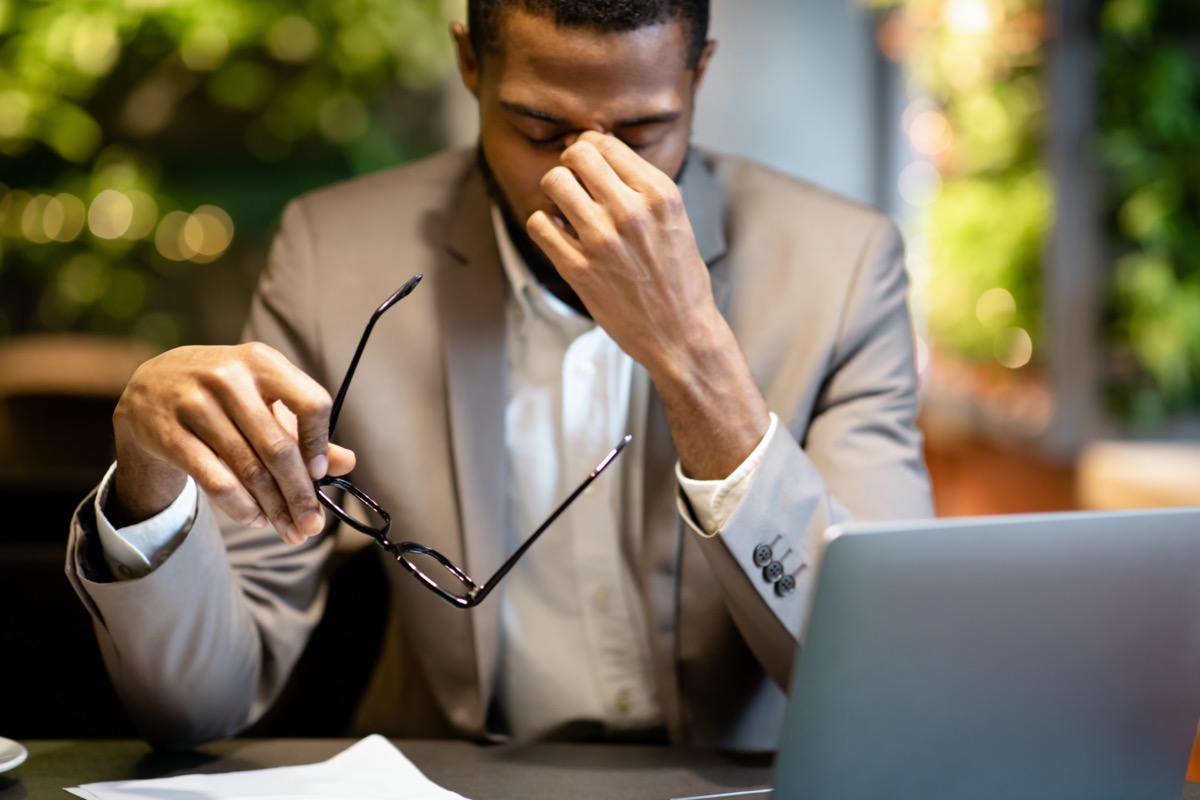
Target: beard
[[535, 258]]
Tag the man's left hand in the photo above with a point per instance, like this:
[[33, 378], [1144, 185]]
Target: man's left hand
[[625, 245]]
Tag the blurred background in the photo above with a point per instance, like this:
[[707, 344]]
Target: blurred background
[[1041, 156]]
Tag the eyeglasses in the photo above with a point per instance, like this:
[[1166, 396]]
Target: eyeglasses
[[438, 573]]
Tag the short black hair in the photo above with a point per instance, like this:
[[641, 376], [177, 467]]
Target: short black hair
[[607, 16]]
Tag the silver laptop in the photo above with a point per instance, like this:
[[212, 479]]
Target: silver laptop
[[1047, 656]]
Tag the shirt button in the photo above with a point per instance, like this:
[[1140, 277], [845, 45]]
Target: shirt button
[[602, 597], [623, 701]]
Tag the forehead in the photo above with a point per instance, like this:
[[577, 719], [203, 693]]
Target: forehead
[[575, 69]]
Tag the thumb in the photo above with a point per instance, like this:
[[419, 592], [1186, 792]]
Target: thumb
[[341, 460]]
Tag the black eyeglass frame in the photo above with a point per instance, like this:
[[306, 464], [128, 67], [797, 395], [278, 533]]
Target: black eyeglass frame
[[474, 593]]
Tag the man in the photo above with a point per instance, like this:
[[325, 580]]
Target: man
[[586, 273]]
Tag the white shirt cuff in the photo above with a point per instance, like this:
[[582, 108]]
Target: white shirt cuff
[[713, 502], [135, 550]]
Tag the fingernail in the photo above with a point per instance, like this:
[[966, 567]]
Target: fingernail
[[259, 522], [292, 535], [311, 522], [318, 466]]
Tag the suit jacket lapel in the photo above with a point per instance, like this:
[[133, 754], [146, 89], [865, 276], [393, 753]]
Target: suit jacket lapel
[[471, 298]]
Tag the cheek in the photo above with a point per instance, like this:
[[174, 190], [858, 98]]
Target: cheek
[[519, 172], [668, 155]]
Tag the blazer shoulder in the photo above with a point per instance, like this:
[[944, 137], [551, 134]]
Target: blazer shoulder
[[414, 186], [755, 191]]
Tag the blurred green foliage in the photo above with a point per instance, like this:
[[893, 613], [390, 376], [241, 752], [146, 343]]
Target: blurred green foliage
[[1149, 52], [979, 124], [139, 138]]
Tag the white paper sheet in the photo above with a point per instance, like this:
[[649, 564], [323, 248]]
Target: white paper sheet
[[371, 769]]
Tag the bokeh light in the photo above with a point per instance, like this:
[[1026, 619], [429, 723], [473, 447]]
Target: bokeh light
[[83, 279], [995, 307], [117, 119], [15, 109], [144, 217], [201, 237], [920, 183], [94, 44], [204, 48], [970, 17], [63, 218], [293, 38], [32, 225], [110, 215], [930, 133], [1014, 347]]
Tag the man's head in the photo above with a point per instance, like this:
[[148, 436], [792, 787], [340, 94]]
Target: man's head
[[484, 18], [543, 71]]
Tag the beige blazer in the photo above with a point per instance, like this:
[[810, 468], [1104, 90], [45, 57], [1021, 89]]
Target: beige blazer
[[815, 291]]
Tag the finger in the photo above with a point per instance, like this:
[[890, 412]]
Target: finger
[[214, 477], [227, 439], [277, 474], [634, 171], [279, 379], [565, 191], [560, 247], [595, 173], [341, 460]]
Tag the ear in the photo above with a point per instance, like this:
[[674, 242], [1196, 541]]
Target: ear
[[468, 60], [710, 47]]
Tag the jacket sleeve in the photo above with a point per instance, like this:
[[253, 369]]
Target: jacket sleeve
[[200, 647], [856, 455]]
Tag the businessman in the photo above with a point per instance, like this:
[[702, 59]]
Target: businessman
[[587, 273]]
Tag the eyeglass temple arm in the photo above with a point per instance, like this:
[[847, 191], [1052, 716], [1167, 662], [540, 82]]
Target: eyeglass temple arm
[[479, 593], [396, 297]]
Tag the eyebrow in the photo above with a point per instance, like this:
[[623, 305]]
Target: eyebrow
[[533, 113]]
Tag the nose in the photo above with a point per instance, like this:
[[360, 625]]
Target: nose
[[573, 136]]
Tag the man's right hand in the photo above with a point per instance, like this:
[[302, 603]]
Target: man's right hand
[[250, 427]]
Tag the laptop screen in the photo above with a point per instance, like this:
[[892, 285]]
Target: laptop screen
[[1035, 656]]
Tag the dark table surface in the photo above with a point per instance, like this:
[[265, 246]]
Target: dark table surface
[[478, 772]]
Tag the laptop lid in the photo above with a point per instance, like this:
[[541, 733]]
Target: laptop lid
[[1036, 656]]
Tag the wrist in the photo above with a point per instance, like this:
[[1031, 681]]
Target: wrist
[[141, 488], [715, 409]]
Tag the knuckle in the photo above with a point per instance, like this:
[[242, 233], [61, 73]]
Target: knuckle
[[253, 473], [227, 372], [624, 216], [221, 487], [257, 351], [191, 401], [277, 512], [316, 403], [657, 201], [278, 450], [302, 498], [607, 240]]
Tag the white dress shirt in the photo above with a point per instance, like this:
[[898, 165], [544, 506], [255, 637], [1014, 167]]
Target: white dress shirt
[[574, 645]]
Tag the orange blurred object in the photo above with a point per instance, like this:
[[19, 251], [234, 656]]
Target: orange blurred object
[[1193, 773]]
